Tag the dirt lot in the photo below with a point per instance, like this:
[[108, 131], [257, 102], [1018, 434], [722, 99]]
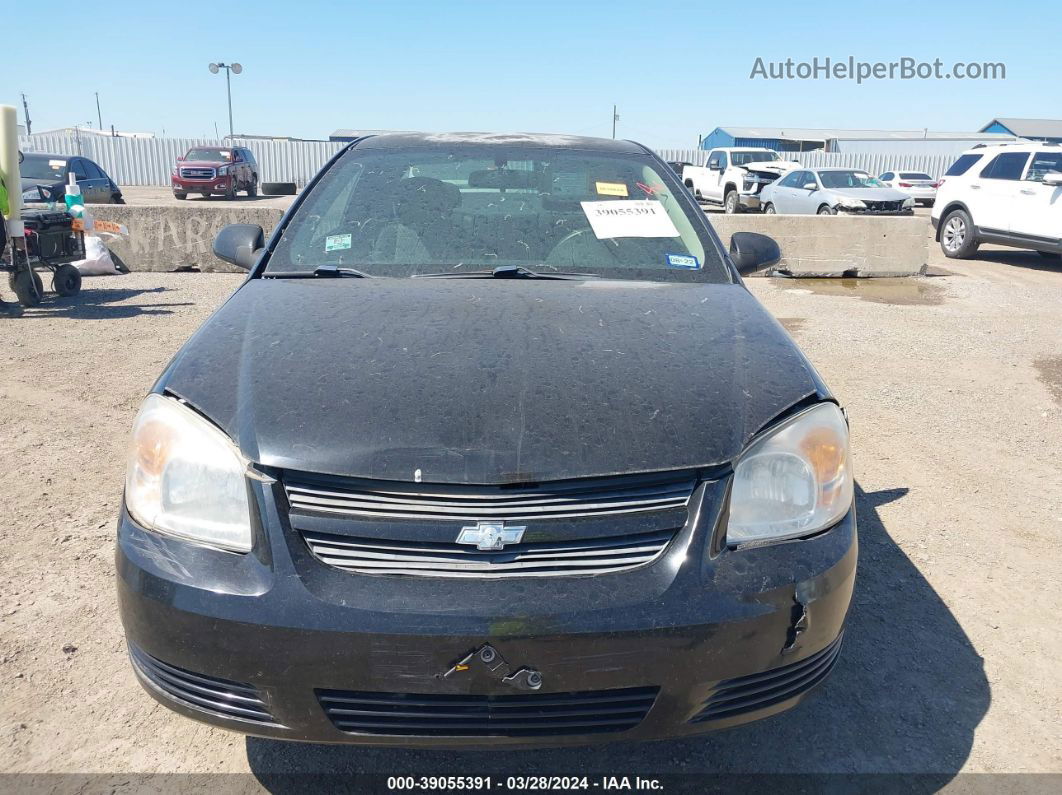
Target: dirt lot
[[152, 195], [954, 388]]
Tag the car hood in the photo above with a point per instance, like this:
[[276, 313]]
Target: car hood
[[201, 164], [490, 381], [869, 194], [29, 182], [771, 166]]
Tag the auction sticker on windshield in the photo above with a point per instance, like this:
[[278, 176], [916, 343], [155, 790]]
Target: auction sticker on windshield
[[637, 218], [337, 242]]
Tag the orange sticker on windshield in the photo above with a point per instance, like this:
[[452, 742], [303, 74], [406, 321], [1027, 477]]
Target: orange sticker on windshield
[[611, 188]]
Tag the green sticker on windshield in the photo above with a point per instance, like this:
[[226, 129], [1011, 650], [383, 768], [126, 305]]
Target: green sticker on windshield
[[337, 242]]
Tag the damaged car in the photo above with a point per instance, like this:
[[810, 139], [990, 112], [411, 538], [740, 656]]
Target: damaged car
[[492, 447], [735, 178], [830, 191]]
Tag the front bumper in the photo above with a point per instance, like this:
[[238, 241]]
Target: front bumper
[[217, 185], [694, 641]]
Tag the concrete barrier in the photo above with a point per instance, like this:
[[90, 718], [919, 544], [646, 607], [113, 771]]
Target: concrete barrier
[[167, 238], [838, 245], [164, 238]]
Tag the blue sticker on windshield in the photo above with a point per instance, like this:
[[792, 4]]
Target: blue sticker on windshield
[[685, 261]]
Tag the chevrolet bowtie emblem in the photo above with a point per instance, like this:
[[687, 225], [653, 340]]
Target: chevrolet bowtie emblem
[[490, 536]]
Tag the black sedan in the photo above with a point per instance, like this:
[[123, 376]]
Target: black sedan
[[50, 174], [493, 446]]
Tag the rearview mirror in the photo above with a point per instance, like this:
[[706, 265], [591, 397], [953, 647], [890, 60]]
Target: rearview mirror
[[1053, 178], [239, 244], [752, 252]]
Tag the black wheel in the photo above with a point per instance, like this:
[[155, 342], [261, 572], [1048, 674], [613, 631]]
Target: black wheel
[[768, 209], [116, 198], [252, 189], [827, 210], [180, 196], [230, 191], [27, 286], [1049, 254], [67, 280], [957, 239], [278, 188], [730, 202]]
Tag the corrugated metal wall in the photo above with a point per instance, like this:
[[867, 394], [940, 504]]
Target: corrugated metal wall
[[874, 163], [147, 161]]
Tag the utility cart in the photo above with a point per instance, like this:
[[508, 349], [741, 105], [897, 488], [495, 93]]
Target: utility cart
[[52, 244]]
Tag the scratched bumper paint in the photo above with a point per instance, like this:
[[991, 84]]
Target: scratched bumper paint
[[290, 626]]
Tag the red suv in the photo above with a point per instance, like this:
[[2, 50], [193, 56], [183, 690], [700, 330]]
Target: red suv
[[213, 170]]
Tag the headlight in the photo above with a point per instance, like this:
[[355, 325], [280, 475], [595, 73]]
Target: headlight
[[852, 204], [186, 478], [794, 481], [222, 170], [908, 203]]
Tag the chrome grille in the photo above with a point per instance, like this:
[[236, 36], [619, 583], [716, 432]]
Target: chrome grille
[[197, 173], [535, 559], [602, 497], [527, 715]]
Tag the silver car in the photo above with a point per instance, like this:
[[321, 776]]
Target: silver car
[[829, 191]]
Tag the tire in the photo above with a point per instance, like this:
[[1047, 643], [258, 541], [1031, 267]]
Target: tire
[[252, 189], [957, 239], [180, 196], [1049, 254], [67, 280], [230, 191], [826, 210], [117, 199], [768, 209], [278, 189], [28, 287], [731, 206]]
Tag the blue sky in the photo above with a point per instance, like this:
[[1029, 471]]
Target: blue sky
[[675, 69]]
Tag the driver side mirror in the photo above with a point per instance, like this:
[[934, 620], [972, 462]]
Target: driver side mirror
[[1053, 178], [239, 244], [752, 252], [180, 158], [810, 186], [715, 167]]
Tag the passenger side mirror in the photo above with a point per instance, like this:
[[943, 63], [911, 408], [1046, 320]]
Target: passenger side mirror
[[752, 252], [1053, 178], [239, 244]]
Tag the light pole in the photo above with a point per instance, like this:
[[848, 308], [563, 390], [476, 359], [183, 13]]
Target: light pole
[[230, 68]]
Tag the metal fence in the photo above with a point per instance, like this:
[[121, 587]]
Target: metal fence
[[873, 163], [147, 161]]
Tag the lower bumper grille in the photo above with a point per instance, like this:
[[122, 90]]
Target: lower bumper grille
[[222, 697], [743, 694], [487, 716]]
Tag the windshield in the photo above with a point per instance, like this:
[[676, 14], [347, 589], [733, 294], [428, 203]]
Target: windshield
[[848, 179], [43, 168], [761, 156], [457, 209], [210, 155]]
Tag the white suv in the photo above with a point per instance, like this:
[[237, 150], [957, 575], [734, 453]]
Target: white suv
[[1008, 194]]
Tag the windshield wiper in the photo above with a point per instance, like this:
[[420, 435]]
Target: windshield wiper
[[320, 272], [505, 272]]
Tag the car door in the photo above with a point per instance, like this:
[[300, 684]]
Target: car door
[[77, 168], [717, 165], [1038, 210], [995, 193], [101, 185], [782, 192], [805, 200]]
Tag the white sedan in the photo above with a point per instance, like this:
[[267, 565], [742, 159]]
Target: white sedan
[[919, 186]]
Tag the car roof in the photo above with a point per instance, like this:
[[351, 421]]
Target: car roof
[[832, 168], [51, 155], [1017, 146], [534, 140]]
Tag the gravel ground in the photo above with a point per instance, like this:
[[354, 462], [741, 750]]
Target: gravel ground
[[954, 388]]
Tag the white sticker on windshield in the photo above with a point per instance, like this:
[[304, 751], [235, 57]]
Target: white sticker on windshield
[[637, 218], [337, 242]]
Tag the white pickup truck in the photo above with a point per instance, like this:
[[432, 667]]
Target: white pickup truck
[[734, 177]]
